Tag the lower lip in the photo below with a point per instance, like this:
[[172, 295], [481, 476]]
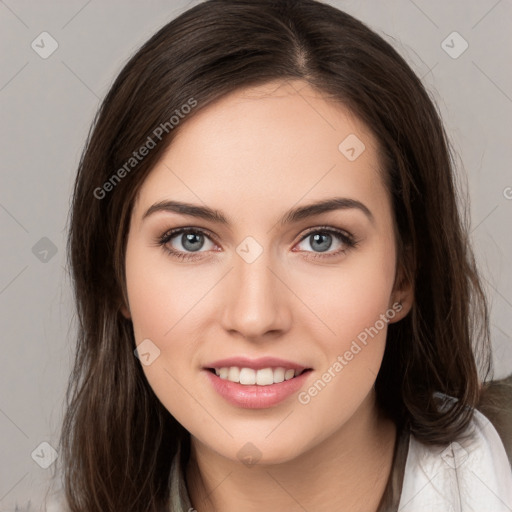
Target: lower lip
[[256, 397]]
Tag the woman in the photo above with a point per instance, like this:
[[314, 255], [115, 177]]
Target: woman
[[278, 306]]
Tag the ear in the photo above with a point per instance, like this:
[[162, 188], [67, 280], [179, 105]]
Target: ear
[[402, 297], [125, 311]]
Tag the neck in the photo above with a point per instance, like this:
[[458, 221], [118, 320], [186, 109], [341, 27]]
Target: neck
[[346, 471]]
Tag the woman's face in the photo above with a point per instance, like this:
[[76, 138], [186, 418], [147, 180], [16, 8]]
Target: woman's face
[[314, 289]]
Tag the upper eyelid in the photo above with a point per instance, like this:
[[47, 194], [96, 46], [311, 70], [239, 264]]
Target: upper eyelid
[[171, 233], [329, 229]]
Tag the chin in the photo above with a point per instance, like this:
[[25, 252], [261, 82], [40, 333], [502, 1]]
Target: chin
[[258, 449]]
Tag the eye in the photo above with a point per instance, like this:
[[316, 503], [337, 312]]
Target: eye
[[321, 240], [188, 241]]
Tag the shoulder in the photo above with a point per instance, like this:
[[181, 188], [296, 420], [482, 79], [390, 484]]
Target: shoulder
[[471, 473]]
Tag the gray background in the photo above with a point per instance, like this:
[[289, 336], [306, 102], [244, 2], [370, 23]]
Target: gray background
[[48, 104]]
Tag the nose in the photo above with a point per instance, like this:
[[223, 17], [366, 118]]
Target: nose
[[256, 299]]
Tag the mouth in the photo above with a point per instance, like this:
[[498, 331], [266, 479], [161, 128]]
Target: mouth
[[257, 377], [260, 388]]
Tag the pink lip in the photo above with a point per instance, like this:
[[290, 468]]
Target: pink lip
[[256, 397], [256, 364]]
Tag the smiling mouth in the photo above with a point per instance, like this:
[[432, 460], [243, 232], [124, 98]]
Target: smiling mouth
[[261, 377]]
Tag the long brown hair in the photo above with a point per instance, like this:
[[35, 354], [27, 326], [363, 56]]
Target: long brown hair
[[118, 440]]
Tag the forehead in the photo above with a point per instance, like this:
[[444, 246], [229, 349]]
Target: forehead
[[271, 144]]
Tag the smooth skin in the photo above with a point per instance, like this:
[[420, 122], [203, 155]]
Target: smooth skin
[[253, 155]]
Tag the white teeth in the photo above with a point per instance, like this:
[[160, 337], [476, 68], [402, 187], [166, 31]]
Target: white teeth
[[247, 376], [262, 377], [278, 375], [265, 377], [234, 374]]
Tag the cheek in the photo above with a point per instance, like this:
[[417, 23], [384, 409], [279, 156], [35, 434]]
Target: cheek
[[357, 300], [160, 297], [161, 307], [352, 303], [351, 298]]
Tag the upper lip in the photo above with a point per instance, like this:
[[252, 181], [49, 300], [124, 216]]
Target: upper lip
[[256, 364]]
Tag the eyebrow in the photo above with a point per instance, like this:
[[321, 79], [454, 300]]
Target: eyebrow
[[290, 217]]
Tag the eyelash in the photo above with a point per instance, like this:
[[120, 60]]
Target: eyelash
[[345, 237]]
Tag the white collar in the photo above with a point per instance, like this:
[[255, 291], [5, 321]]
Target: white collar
[[472, 474]]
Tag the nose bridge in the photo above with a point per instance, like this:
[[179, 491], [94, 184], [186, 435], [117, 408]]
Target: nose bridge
[[256, 302]]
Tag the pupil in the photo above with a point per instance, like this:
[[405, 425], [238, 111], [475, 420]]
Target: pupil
[[326, 241], [190, 241]]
